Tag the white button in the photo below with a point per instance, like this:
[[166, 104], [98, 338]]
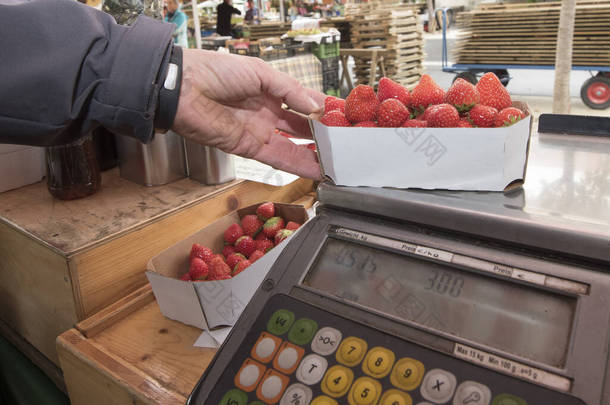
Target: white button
[[326, 341], [249, 375], [472, 393], [438, 386], [265, 348], [287, 358], [271, 387], [311, 369], [296, 394]]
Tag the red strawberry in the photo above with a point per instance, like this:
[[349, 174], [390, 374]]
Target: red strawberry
[[335, 118], [245, 245], [281, 235], [334, 103], [492, 92], [292, 226], [311, 146], [234, 259], [233, 233], [200, 251], [257, 254], [443, 116], [272, 226], [251, 225], [219, 277], [462, 95], [463, 123], [361, 104], [186, 277], [392, 113], [218, 268], [241, 266], [366, 124], [426, 93], [415, 124], [388, 88], [427, 112], [265, 211], [261, 236], [228, 250], [264, 245], [482, 116], [198, 269], [508, 117]]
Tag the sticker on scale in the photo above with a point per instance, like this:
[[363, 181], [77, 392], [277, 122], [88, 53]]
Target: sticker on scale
[[511, 367]]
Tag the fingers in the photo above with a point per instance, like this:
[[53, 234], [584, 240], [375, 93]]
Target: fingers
[[284, 155], [294, 124]]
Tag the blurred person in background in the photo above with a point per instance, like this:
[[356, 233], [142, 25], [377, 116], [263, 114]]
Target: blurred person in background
[[223, 19], [179, 19], [252, 15]]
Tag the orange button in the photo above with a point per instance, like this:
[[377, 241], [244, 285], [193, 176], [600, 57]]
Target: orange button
[[265, 347], [271, 387], [288, 358], [249, 375]]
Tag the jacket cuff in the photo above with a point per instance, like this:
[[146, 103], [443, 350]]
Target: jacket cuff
[[134, 79], [170, 82]]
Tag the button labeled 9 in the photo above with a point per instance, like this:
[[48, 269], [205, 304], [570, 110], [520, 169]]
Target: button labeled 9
[[407, 374]]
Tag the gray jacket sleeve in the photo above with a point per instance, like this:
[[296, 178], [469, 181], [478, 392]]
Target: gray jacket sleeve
[[66, 68]]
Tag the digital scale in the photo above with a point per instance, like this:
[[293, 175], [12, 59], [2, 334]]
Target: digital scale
[[397, 297]]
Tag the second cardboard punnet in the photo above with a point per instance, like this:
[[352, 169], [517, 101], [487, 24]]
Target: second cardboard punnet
[[211, 304], [481, 159]]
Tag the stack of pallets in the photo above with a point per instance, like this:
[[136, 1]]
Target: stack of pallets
[[267, 30], [526, 34], [395, 28]]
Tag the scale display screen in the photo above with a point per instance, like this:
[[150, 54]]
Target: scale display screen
[[511, 317]]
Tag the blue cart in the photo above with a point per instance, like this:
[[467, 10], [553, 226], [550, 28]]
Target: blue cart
[[595, 91]]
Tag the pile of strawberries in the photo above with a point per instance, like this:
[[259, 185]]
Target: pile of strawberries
[[245, 243], [485, 105]]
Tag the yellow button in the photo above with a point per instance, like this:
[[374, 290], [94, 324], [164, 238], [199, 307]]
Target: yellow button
[[378, 362], [337, 380], [395, 397], [407, 374], [323, 400], [365, 391], [351, 351]]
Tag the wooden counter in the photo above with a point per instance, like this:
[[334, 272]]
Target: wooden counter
[[63, 261]]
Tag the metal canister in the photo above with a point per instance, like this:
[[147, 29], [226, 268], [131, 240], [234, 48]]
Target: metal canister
[[209, 165]]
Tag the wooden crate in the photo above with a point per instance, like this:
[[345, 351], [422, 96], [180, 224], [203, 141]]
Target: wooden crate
[[63, 261]]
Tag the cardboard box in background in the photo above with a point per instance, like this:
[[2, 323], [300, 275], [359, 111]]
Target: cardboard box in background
[[20, 165], [481, 159], [210, 304]]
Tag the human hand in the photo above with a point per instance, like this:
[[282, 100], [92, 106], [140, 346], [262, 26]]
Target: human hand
[[235, 103]]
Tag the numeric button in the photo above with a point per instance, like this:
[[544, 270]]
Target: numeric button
[[312, 369], [365, 391], [337, 381], [326, 341], [407, 374], [323, 400], [471, 393], [438, 386], [378, 362], [395, 397], [351, 351]]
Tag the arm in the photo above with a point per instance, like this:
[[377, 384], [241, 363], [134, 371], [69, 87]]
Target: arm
[[180, 22], [62, 80], [236, 11]]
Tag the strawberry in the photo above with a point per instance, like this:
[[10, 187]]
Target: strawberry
[[198, 269], [366, 124], [443, 116], [415, 124], [492, 93], [228, 250], [265, 211], [462, 95], [257, 254], [311, 146], [186, 277], [508, 116], [245, 245], [292, 226], [272, 226], [464, 123], [334, 103], [200, 251], [241, 266], [281, 235], [233, 233], [361, 104], [261, 236], [427, 113], [482, 116], [251, 225], [335, 118], [233, 259], [219, 277], [392, 113], [219, 269], [388, 88], [426, 93], [264, 245]]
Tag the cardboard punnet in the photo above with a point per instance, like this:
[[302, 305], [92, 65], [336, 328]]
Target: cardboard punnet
[[210, 304], [482, 159]]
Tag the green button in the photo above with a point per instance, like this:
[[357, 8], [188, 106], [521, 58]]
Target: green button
[[507, 399], [234, 397], [280, 322], [302, 332]]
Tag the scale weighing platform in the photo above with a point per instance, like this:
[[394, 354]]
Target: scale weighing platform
[[397, 297]]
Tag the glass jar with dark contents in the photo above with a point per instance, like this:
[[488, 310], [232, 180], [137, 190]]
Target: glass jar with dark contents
[[72, 169]]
